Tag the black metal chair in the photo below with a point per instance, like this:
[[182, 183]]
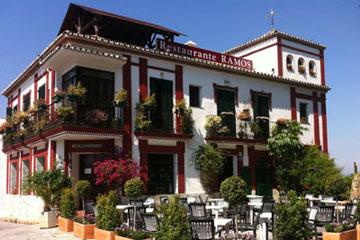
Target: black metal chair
[[197, 210], [311, 222], [185, 205], [137, 202], [150, 222], [139, 220], [247, 226], [164, 200], [203, 201], [244, 211], [268, 207], [202, 229]]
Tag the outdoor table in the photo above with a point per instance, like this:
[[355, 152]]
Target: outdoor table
[[191, 200], [122, 209], [253, 205], [214, 201], [216, 209], [332, 202], [312, 200], [264, 219], [223, 222]]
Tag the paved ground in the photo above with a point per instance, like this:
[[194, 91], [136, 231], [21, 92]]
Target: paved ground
[[18, 231]]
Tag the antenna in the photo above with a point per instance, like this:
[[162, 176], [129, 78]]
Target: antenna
[[272, 15]]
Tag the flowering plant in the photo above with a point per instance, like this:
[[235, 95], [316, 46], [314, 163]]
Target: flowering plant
[[244, 116], [3, 127], [231, 236], [341, 227], [125, 231], [87, 219], [116, 172]]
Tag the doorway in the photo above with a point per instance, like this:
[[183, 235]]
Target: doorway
[[228, 169], [161, 174], [263, 178], [86, 171]]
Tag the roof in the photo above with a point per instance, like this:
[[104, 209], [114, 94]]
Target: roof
[[129, 48], [74, 10], [274, 33]]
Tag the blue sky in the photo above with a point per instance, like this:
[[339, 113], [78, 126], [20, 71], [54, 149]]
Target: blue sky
[[27, 27]]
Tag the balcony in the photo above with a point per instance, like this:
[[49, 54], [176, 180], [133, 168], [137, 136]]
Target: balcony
[[43, 122]]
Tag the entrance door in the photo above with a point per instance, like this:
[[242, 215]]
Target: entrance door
[[86, 171], [245, 174], [263, 178], [227, 169], [226, 108], [161, 173], [261, 109]]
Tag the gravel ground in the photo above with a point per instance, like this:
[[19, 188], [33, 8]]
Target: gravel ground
[[18, 231]]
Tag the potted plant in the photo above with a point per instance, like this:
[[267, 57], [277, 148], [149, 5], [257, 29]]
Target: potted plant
[[173, 216], [48, 186], [76, 92], [180, 107], [65, 113], [340, 231], [142, 123], [21, 117], [67, 211], [241, 236], [334, 186], [108, 217], [289, 66], [41, 124], [234, 191], [121, 98], [134, 188], [84, 227], [358, 219], [301, 68], [126, 233], [312, 73], [58, 96], [83, 189], [256, 130], [214, 127], [40, 104], [3, 127], [187, 122], [150, 102], [303, 120], [96, 117]]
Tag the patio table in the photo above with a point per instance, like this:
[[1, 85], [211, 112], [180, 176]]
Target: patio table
[[253, 205], [122, 209], [216, 210], [264, 219], [223, 222], [214, 201], [312, 200]]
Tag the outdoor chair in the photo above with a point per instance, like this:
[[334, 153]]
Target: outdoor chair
[[164, 200], [150, 222], [197, 210], [137, 202], [325, 215], [185, 205], [202, 229], [346, 213], [268, 207], [202, 201], [139, 220], [243, 213], [312, 221], [191, 200], [247, 226]]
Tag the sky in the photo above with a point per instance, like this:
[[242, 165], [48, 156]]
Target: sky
[[27, 27]]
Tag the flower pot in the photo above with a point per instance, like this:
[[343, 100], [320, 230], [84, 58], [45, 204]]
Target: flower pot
[[57, 98], [41, 107], [73, 98], [66, 225], [47, 219], [149, 107], [348, 235], [125, 238], [103, 234], [120, 104], [84, 231], [80, 213], [358, 231]]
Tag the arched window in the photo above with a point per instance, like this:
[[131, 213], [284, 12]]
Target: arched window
[[290, 62], [301, 65], [312, 68]]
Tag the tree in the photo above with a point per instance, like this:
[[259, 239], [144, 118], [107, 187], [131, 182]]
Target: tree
[[286, 148], [134, 188], [335, 186], [210, 160], [83, 188], [234, 191]]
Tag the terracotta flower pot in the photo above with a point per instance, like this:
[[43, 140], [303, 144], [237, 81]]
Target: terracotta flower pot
[[358, 231], [104, 235], [348, 235], [84, 231], [80, 213], [125, 238], [66, 225]]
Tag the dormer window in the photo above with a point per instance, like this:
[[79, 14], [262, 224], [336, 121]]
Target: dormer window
[[312, 68], [290, 63], [301, 65]]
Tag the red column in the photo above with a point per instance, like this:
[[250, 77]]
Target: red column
[[143, 148], [52, 89], [179, 93], [279, 55], [293, 103], [127, 139], [143, 79], [19, 97], [324, 123], [316, 120], [181, 167], [52, 154], [47, 97], [322, 67]]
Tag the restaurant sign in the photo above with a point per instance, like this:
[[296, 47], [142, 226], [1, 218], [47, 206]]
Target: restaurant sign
[[203, 54]]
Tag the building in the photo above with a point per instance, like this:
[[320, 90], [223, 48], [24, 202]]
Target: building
[[274, 76]]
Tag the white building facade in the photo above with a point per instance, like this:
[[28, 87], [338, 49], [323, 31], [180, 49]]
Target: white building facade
[[284, 78]]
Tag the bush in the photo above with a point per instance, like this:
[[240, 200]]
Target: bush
[[134, 188], [108, 216], [67, 204], [234, 191], [291, 221], [83, 188], [173, 222]]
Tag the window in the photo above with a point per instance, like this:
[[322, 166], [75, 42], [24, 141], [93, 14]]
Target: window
[[25, 172], [41, 92], [14, 176], [40, 163], [26, 102], [301, 65], [194, 96], [289, 62], [303, 113], [312, 68], [15, 109]]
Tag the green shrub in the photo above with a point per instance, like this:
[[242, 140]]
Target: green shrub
[[291, 221], [173, 222], [134, 188], [108, 216], [234, 191], [67, 204], [83, 188]]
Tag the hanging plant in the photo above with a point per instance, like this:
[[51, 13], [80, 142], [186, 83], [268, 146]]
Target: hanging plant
[[40, 104], [180, 107], [65, 113], [150, 102], [120, 98], [58, 96], [76, 92]]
